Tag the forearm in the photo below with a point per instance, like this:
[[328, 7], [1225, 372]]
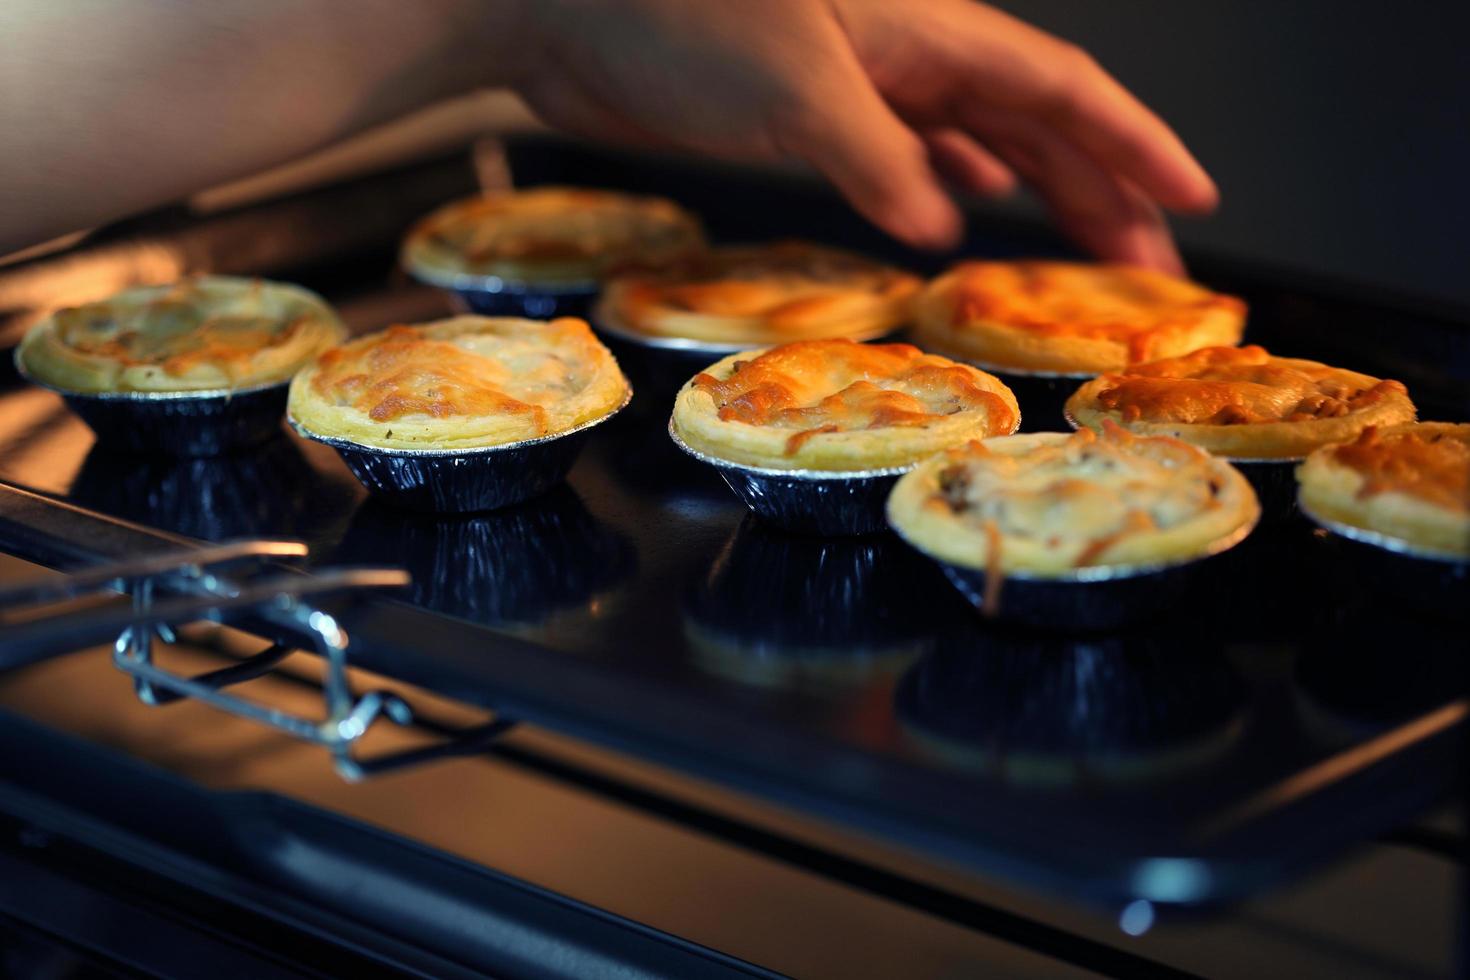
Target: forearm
[[110, 108]]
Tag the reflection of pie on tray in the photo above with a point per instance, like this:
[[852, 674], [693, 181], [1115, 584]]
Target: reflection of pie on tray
[[839, 405], [203, 334], [1048, 503], [460, 383], [758, 295], [1409, 482], [1242, 402], [1069, 317], [550, 236]]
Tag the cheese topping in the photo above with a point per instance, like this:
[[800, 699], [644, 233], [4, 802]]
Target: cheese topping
[[1080, 497], [782, 292], [1130, 305], [1237, 386], [401, 372], [1431, 463], [841, 386]]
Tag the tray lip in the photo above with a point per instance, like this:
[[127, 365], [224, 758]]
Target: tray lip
[[343, 444]]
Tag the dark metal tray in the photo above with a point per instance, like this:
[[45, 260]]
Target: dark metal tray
[[1280, 716]]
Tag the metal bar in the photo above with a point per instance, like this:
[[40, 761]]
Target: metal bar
[[101, 576], [29, 642], [246, 670]]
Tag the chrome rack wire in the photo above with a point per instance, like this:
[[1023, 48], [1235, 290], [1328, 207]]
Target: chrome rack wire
[[192, 584]]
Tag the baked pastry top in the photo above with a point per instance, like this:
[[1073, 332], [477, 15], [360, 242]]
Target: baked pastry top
[[1046, 504], [1242, 402], [460, 383], [201, 334], [1070, 317], [839, 405], [1408, 482], [759, 295], [550, 236]]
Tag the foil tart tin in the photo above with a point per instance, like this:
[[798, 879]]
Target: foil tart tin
[[1042, 395], [1273, 480], [1430, 581], [659, 366], [1053, 714], [494, 296], [1094, 597], [463, 480], [829, 502], [176, 423], [794, 611], [514, 568]]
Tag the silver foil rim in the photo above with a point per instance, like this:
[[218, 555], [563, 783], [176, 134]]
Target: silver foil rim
[[338, 442], [823, 502], [1027, 373], [483, 283], [1072, 421], [791, 474], [607, 324], [142, 396], [209, 422], [1379, 539], [1103, 573]]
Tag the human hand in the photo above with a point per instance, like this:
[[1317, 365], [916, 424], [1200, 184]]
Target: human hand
[[881, 98]]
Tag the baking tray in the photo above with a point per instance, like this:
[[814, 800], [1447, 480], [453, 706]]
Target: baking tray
[[1281, 716]]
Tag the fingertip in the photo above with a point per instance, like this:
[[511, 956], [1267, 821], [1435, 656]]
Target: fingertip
[[1198, 195], [931, 221]]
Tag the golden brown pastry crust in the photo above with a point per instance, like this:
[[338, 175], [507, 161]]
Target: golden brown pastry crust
[[462, 383], [1069, 317], [1047, 504], [203, 334], [838, 405], [550, 236], [1406, 482], [1242, 402], [761, 295]]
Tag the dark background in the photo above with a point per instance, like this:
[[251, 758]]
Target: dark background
[[1339, 133]]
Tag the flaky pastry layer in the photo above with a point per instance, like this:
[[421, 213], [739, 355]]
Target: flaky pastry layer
[[760, 295], [461, 383], [201, 334], [1048, 503], [1408, 482], [550, 236], [1070, 317], [1242, 402], [839, 405]]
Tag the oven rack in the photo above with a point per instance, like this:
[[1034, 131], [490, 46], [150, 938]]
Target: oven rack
[[134, 602]]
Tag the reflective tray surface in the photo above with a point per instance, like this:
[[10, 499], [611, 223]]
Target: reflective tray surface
[[1254, 730]]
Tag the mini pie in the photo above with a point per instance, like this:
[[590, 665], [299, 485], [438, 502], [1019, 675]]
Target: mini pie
[[762, 295], [1407, 482], [550, 236], [839, 405], [1241, 402], [1046, 504], [463, 383], [1070, 317], [209, 333]]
